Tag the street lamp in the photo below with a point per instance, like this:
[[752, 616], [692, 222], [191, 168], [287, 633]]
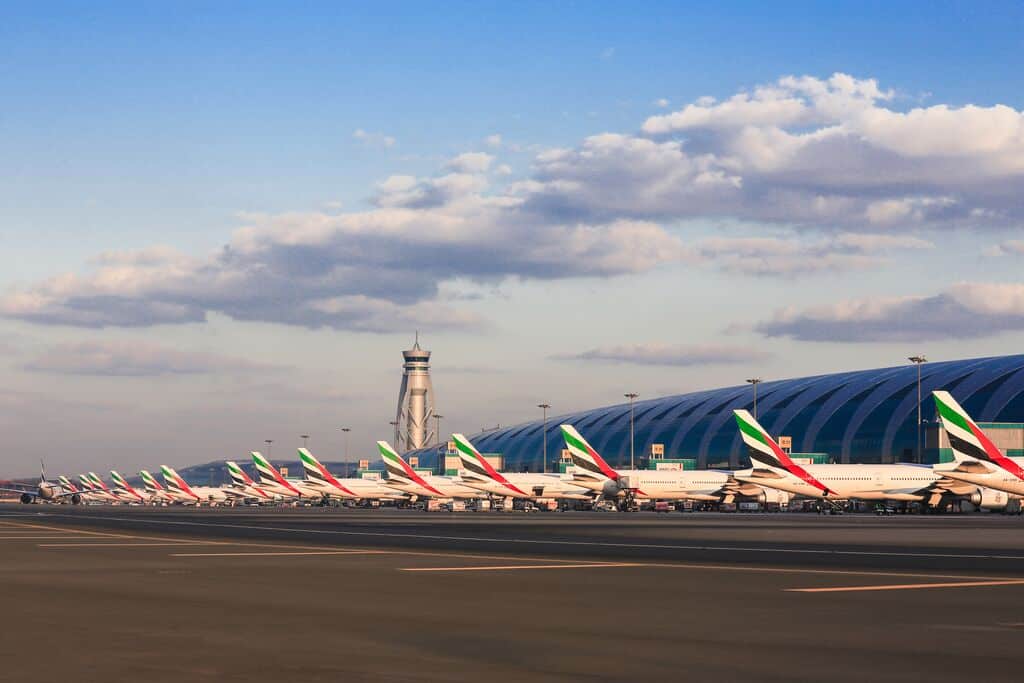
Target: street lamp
[[632, 460], [345, 431], [437, 429], [305, 440], [754, 381], [268, 442], [544, 407], [918, 361], [394, 425]]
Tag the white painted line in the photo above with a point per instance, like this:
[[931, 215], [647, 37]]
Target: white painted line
[[40, 538], [508, 567], [285, 553], [905, 586]]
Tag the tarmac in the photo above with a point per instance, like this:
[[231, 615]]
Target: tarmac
[[118, 593]]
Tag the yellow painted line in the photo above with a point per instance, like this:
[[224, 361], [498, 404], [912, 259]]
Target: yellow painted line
[[285, 554], [507, 567], [905, 586]]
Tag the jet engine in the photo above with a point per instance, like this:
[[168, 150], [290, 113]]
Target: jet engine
[[990, 499], [26, 498], [76, 499], [774, 497]]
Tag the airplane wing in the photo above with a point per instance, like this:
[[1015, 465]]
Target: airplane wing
[[28, 491]]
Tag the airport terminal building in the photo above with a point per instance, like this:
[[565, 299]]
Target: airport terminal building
[[863, 416]]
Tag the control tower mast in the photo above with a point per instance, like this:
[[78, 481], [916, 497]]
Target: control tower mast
[[415, 400]]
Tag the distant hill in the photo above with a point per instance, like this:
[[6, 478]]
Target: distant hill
[[216, 473]]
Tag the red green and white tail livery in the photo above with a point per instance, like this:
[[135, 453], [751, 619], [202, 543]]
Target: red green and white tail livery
[[154, 489], [772, 467], [101, 489], [592, 471], [271, 479], [978, 460], [124, 490], [182, 492], [404, 478], [478, 473], [352, 488], [244, 484]]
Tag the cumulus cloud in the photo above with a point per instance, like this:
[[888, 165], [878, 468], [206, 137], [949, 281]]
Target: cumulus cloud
[[827, 160], [819, 152], [471, 162], [133, 359], [965, 310], [668, 354], [373, 139], [493, 140]]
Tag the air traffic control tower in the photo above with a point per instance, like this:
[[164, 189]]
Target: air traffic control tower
[[415, 400]]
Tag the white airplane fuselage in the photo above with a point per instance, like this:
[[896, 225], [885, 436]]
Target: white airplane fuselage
[[902, 482], [704, 485]]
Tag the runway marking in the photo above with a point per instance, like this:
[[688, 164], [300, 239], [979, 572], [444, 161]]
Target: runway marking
[[906, 586], [126, 545], [566, 543], [507, 567], [38, 538], [286, 553]]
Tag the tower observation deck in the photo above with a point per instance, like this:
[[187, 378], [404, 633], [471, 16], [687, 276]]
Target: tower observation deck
[[415, 400]]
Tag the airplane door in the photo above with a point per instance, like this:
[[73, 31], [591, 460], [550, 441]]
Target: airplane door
[[879, 483]]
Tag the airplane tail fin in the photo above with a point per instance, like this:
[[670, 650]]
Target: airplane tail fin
[[95, 478], [174, 482], [150, 482], [264, 470], [84, 481], [761, 447], [584, 457], [311, 467], [395, 465], [966, 439], [42, 471], [238, 475], [118, 480], [473, 463]]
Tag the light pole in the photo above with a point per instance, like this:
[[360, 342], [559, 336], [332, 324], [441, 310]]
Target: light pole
[[918, 361], [394, 425], [632, 460], [305, 440], [544, 407], [345, 431], [754, 381], [437, 429]]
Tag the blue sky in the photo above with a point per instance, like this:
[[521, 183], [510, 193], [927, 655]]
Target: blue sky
[[800, 222]]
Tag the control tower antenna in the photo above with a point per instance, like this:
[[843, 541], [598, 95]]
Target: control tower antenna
[[415, 400]]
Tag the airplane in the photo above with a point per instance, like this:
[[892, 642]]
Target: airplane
[[101, 489], [978, 460], [480, 474], [405, 478], [245, 487], [48, 491], [593, 472], [125, 491], [180, 491], [772, 467], [272, 481], [69, 486], [90, 490], [154, 489], [356, 488]]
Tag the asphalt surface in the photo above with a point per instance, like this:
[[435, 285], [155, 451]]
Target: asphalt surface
[[261, 594]]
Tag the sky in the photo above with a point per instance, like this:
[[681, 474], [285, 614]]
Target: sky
[[221, 223]]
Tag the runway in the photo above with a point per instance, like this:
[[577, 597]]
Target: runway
[[266, 594]]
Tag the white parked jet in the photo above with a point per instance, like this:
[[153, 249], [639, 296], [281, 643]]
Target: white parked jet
[[772, 467], [404, 478], [352, 488], [51, 492], [181, 492], [978, 460], [242, 485], [272, 481], [480, 474], [593, 472], [125, 491]]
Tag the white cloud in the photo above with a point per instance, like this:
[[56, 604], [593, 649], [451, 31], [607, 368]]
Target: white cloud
[[668, 355], [661, 102], [471, 162], [493, 140], [373, 139], [965, 310]]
